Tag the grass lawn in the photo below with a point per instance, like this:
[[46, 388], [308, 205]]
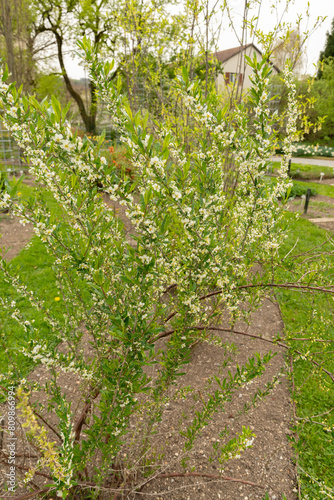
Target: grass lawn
[[307, 172], [312, 316], [34, 266], [323, 189]]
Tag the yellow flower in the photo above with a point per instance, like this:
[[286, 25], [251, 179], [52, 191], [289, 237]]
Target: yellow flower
[[19, 194], [57, 299]]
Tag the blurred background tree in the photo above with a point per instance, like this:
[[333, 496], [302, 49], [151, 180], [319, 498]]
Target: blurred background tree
[[328, 51], [21, 44], [290, 46]]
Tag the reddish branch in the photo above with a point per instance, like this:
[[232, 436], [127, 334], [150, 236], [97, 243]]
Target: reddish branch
[[271, 342], [190, 474], [237, 332], [291, 285], [161, 336], [262, 285], [274, 285], [228, 330], [82, 418], [170, 316]]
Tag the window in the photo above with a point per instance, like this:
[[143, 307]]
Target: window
[[233, 78]]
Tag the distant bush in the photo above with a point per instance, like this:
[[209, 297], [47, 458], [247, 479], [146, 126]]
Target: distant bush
[[298, 190]]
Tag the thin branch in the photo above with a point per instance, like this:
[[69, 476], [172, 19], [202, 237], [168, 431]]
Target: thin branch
[[290, 286], [273, 285], [48, 425], [209, 476], [228, 330], [310, 339], [82, 418]]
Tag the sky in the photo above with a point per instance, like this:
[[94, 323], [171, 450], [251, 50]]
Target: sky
[[267, 21]]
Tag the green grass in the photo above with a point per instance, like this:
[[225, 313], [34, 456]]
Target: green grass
[[34, 266], [323, 189], [307, 172], [313, 316]]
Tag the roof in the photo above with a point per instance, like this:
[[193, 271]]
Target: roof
[[225, 55]]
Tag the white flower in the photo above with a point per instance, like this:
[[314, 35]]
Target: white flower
[[67, 145], [145, 259]]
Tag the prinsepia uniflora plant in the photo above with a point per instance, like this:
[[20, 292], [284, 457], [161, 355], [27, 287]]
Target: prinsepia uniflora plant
[[136, 301]]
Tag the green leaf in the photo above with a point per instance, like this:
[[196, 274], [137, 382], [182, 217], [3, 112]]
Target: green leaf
[[56, 107], [185, 75]]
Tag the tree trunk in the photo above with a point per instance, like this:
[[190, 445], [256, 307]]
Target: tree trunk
[[7, 27], [88, 119]]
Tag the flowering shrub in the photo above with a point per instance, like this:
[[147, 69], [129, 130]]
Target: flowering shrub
[[202, 217]]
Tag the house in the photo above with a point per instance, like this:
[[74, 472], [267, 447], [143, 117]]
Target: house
[[236, 70]]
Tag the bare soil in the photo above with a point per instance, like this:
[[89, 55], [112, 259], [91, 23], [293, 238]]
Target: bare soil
[[269, 463], [267, 467], [14, 237]]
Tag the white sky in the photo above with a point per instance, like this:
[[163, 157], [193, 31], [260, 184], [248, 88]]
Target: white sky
[[267, 21]]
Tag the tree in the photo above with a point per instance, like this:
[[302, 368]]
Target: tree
[[22, 46], [289, 46], [136, 33], [7, 31], [323, 91], [51, 84], [329, 46], [64, 20]]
